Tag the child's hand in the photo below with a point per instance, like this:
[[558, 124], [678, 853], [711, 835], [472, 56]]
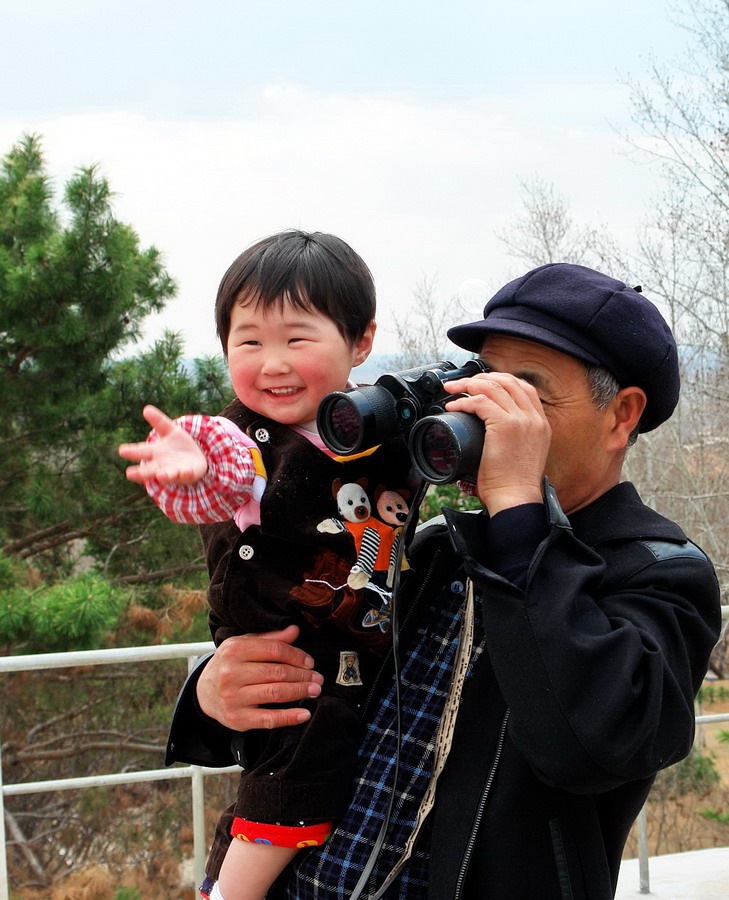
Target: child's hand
[[174, 458], [330, 526]]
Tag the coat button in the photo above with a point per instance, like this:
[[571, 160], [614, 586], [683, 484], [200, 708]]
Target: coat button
[[457, 587], [262, 436], [245, 551]]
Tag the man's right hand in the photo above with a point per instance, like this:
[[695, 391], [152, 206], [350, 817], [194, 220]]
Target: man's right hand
[[249, 670]]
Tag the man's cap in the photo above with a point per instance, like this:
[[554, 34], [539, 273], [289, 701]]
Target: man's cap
[[592, 317]]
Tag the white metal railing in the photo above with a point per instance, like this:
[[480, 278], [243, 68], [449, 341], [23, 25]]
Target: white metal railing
[[191, 652], [643, 856], [32, 662], [644, 886]]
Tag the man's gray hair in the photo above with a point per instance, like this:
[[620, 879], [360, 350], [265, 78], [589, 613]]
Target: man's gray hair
[[603, 387]]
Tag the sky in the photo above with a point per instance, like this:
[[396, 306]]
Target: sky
[[405, 128]]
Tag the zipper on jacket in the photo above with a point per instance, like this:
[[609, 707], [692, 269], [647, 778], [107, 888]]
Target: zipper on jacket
[[481, 806]]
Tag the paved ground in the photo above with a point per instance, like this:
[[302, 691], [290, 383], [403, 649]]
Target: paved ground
[[699, 875]]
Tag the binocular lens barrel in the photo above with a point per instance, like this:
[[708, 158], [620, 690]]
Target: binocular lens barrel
[[352, 421], [436, 452], [447, 446], [444, 446], [345, 424]]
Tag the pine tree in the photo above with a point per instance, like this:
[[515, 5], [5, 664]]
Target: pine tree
[[75, 288]]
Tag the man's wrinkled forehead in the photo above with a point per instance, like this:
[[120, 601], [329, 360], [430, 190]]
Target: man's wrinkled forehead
[[518, 349], [533, 362]]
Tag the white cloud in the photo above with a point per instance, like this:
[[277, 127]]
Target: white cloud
[[417, 187]]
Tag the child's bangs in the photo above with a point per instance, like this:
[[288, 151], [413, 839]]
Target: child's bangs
[[276, 297]]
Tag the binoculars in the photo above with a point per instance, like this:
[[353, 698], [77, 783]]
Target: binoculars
[[444, 446]]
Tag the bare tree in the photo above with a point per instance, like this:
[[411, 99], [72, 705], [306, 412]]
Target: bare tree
[[683, 254], [682, 261], [421, 332], [545, 232]]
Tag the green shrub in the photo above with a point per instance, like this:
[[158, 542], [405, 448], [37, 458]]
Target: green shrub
[[75, 614], [8, 578], [715, 815], [696, 774], [127, 893], [440, 495], [710, 693], [15, 618]]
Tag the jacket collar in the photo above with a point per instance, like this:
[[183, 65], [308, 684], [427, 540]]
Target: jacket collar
[[620, 514]]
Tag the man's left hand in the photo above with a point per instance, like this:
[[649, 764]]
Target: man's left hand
[[516, 441]]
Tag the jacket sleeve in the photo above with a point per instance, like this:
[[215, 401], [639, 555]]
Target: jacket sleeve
[[600, 656], [194, 737], [226, 486]]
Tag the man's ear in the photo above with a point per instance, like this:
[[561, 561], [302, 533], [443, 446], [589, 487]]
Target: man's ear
[[628, 405], [363, 346]]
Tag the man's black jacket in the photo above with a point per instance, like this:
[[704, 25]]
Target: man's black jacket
[[584, 692]]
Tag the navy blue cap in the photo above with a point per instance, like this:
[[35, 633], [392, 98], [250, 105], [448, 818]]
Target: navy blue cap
[[592, 317]]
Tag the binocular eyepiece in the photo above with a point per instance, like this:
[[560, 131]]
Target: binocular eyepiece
[[444, 446]]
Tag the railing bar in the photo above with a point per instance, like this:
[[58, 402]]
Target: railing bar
[[65, 784], [151, 653], [102, 657], [719, 717], [29, 662]]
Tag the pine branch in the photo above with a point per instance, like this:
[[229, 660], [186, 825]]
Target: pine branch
[[148, 577], [65, 532], [70, 714], [68, 752], [79, 743], [29, 539]]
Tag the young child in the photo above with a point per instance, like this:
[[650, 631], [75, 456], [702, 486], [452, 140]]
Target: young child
[[295, 313]]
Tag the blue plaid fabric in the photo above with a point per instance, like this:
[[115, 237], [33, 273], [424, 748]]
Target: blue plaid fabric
[[334, 870]]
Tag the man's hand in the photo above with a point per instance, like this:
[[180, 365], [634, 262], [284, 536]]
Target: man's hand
[[249, 670], [517, 437], [173, 458]]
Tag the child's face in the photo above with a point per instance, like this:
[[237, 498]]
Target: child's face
[[284, 360]]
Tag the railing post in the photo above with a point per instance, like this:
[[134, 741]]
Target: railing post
[[198, 825], [643, 868], [197, 788], [4, 890]]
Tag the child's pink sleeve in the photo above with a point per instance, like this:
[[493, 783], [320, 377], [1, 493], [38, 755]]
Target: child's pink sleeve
[[227, 484]]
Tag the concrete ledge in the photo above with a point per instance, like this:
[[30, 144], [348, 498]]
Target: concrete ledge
[[697, 875]]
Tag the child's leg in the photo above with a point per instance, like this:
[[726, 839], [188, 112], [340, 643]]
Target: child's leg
[[249, 869]]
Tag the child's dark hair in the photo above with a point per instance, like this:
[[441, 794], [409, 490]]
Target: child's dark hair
[[310, 270]]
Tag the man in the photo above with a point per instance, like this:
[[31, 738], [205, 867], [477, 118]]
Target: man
[[536, 716]]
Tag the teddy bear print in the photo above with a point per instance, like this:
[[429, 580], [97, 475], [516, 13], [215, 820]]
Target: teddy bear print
[[392, 508], [375, 539]]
